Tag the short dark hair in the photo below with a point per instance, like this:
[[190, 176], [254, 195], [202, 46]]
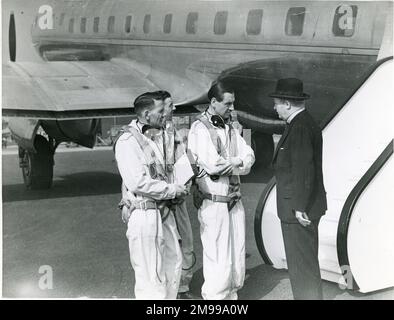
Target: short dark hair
[[218, 89], [145, 101], [163, 94]]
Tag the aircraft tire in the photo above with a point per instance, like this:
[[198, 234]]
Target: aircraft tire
[[263, 147], [37, 168]]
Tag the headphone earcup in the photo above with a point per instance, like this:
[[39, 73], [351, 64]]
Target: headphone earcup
[[217, 121]]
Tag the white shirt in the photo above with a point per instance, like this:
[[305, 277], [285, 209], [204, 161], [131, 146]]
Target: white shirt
[[293, 115], [134, 169]]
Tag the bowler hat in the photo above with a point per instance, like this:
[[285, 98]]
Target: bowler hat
[[290, 88]]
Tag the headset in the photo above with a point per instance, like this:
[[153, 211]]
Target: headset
[[217, 120]]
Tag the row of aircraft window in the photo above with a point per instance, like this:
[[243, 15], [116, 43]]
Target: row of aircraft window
[[293, 27]]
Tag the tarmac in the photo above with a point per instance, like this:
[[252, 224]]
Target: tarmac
[[74, 234]]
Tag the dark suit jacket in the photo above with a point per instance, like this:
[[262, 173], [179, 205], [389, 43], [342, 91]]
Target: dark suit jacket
[[298, 169]]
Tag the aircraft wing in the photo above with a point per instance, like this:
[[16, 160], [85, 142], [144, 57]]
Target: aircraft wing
[[72, 89]]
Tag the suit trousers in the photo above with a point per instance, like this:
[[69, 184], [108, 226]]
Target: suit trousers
[[188, 258], [301, 247]]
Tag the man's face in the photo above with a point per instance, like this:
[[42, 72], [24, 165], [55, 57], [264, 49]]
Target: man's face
[[224, 107], [169, 108], [282, 108], [156, 116]]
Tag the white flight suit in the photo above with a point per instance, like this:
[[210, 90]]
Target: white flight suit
[[222, 232], [154, 245], [185, 231]]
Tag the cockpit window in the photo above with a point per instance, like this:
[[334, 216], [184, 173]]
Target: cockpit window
[[83, 25], [191, 22], [253, 24], [220, 23], [147, 23], [127, 25], [344, 20], [61, 20], [96, 22], [71, 25], [111, 24], [295, 21], [167, 23]]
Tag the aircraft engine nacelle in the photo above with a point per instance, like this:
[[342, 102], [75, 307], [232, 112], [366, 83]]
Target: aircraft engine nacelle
[[82, 131], [36, 152]]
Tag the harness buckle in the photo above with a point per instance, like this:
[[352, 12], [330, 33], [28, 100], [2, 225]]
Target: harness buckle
[[143, 205]]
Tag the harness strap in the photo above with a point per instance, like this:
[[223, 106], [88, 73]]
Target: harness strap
[[212, 132], [233, 150], [156, 168]]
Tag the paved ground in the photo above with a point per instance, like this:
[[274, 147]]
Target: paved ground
[[76, 229]]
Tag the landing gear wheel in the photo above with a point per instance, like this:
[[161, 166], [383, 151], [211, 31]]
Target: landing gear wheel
[[263, 147], [37, 168]]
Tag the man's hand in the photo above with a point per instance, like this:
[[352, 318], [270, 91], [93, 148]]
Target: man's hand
[[302, 218], [181, 191], [126, 213], [188, 186], [237, 126], [236, 162]]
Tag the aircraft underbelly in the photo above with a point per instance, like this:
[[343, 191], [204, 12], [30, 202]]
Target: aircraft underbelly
[[186, 73]]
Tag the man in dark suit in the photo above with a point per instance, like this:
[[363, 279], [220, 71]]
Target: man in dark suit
[[301, 197]]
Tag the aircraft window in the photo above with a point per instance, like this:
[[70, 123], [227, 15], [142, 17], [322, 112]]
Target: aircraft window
[[83, 25], [71, 25], [61, 19], [295, 21], [167, 23], [220, 23], [111, 24], [147, 23], [191, 23], [96, 23], [253, 24], [127, 25], [344, 21]]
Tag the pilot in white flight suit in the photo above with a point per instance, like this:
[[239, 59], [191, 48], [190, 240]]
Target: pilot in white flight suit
[[222, 155], [155, 253], [178, 141]]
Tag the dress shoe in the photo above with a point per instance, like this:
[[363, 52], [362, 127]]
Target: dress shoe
[[187, 296]]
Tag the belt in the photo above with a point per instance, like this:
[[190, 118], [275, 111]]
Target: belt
[[145, 204], [224, 199], [142, 205], [231, 199]]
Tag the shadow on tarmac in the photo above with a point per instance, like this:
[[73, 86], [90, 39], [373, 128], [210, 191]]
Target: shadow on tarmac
[[73, 185], [94, 183], [259, 282]]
